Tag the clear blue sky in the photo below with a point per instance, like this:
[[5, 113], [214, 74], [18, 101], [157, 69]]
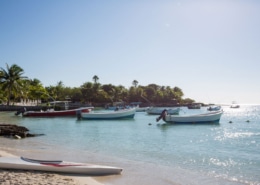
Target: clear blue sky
[[210, 49]]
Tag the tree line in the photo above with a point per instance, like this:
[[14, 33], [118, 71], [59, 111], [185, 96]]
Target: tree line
[[16, 87]]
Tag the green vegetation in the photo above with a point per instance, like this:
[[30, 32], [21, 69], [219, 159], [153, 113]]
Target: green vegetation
[[11, 81], [16, 87]]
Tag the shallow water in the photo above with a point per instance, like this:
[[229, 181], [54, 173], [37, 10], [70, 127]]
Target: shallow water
[[224, 153]]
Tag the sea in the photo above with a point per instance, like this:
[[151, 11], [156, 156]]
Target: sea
[[151, 152]]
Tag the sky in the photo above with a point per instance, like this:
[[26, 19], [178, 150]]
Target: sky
[[208, 48]]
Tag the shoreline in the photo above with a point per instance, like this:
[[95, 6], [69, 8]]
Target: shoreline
[[12, 176], [134, 172]]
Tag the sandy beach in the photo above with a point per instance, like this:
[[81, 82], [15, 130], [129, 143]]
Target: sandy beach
[[24, 177]]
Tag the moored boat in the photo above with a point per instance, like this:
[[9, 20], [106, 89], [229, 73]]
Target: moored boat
[[54, 113], [214, 108], [234, 106], [136, 105], [194, 106], [51, 112], [107, 115], [142, 109], [206, 118], [22, 163], [158, 110]]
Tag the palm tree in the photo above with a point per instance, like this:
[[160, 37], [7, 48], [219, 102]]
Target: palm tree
[[36, 89], [86, 91], [11, 80], [2, 97], [59, 89], [135, 83], [95, 79]]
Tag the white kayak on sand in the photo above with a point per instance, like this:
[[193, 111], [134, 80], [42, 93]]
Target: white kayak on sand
[[22, 163]]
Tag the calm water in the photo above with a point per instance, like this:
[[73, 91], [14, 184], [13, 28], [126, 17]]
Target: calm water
[[225, 153]]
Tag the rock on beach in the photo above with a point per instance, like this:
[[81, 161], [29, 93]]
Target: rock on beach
[[11, 130]]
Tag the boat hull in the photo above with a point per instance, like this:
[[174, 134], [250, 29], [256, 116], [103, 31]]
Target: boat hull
[[207, 118], [22, 163], [109, 115]]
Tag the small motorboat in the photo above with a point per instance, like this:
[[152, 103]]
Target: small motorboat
[[158, 110], [214, 108], [234, 106], [107, 115], [206, 118], [53, 113], [194, 106]]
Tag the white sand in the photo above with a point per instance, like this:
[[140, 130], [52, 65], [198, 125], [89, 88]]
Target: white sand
[[22, 177]]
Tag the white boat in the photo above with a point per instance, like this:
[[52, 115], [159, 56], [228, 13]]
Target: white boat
[[158, 110], [116, 106], [234, 106], [194, 106], [214, 108], [142, 109], [136, 105], [22, 163], [108, 115], [209, 117]]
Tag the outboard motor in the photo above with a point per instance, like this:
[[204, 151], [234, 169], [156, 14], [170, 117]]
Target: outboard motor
[[163, 114], [78, 113], [22, 110]]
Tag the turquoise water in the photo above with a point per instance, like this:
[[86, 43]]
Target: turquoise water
[[224, 153]]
